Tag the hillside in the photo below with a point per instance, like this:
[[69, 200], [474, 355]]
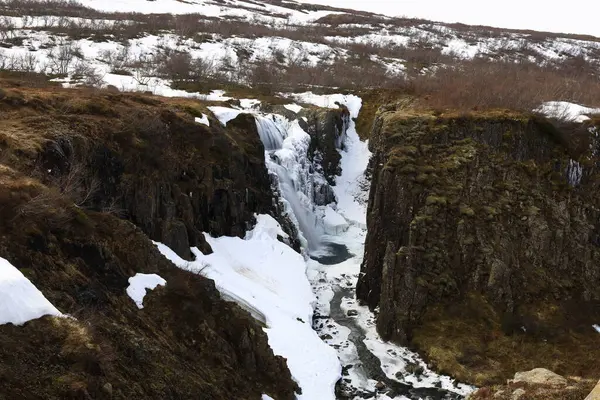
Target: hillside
[[78, 170], [266, 199], [202, 45]]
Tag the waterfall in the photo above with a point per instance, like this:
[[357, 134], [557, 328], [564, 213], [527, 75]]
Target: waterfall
[[270, 133], [574, 173], [286, 156], [305, 217]]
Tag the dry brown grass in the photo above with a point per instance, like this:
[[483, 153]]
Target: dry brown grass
[[577, 389], [487, 85], [441, 81]]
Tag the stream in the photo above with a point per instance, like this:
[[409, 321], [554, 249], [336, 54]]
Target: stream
[[363, 375], [333, 235]]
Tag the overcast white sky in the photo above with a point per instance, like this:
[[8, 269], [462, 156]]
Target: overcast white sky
[[568, 16]]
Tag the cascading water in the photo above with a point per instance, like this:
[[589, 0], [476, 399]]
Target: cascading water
[[286, 145], [271, 134], [306, 219], [331, 223]]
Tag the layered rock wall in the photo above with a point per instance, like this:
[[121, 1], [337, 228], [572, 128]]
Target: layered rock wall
[[483, 241]]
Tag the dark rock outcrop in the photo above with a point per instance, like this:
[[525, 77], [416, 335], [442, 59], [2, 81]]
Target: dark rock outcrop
[[327, 129], [170, 176], [77, 171], [482, 249]]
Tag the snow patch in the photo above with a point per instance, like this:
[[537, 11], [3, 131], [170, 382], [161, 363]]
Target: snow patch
[[334, 223], [204, 120], [263, 274], [567, 111], [461, 49], [354, 103], [20, 300], [214, 95], [596, 327], [138, 285], [225, 114], [295, 108], [156, 86], [249, 103]]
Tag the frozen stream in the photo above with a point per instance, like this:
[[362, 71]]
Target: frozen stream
[[370, 367], [306, 302]]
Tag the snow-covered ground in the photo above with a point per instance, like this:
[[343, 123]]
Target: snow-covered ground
[[268, 278], [28, 41], [140, 283], [20, 300], [567, 111]]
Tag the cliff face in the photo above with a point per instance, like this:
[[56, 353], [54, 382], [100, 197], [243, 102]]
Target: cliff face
[[87, 179], [327, 129], [172, 177], [483, 242]]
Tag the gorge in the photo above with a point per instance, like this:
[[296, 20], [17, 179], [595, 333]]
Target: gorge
[[261, 208]]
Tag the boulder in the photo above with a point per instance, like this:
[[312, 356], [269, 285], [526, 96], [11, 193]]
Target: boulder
[[595, 395], [517, 394], [540, 376]]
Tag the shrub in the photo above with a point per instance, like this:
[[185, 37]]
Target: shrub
[[87, 74], [118, 60], [480, 84], [61, 57]]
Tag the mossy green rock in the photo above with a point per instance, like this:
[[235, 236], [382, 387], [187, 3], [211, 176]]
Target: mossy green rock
[[479, 252]]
